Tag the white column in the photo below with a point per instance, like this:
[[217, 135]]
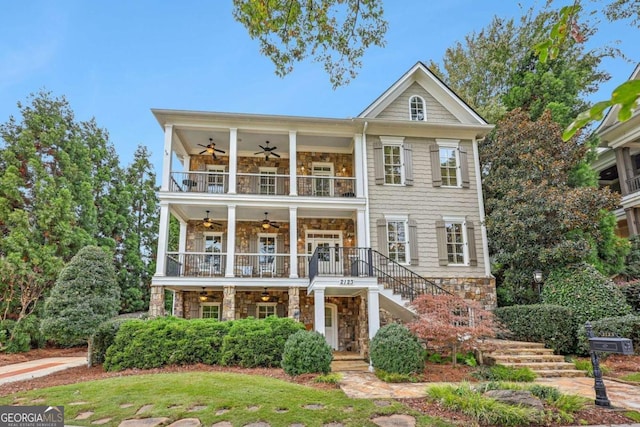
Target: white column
[[231, 241], [163, 239], [318, 305], [361, 228], [359, 171], [293, 243], [233, 159], [166, 158], [373, 309], [293, 167]]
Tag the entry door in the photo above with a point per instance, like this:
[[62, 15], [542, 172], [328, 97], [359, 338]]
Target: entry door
[[331, 325], [328, 258]]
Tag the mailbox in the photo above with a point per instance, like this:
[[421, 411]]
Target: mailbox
[[611, 345]]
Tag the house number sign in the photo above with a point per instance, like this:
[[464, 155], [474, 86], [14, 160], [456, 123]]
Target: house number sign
[[346, 281]]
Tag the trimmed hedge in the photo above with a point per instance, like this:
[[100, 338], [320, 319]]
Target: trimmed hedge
[[163, 341], [102, 339], [19, 337], [631, 292], [306, 352], [623, 326], [396, 350], [251, 343], [554, 325]]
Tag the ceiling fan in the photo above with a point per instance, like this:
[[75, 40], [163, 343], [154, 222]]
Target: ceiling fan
[[208, 222], [267, 150], [266, 224], [210, 149]]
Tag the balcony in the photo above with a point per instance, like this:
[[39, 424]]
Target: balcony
[[262, 184], [633, 184], [246, 265]]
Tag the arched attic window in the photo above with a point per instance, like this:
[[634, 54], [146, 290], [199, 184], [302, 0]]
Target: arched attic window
[[416, 108]]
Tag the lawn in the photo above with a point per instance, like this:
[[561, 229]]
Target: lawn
[[211, 397]]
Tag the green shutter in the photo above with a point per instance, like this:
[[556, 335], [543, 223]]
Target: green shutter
[[378, 163], [436, 176], [441, 237]]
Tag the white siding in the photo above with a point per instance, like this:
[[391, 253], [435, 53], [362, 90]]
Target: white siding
[[399, 108], [426, 204]]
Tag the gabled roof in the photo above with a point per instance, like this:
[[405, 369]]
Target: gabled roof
[[611, 118], [421, 75]]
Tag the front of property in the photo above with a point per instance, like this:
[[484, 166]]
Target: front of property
[[337, 223]]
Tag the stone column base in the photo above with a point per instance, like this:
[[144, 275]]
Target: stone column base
[[156, 302]]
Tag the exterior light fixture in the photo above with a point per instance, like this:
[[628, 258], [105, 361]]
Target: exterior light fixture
[[537, 276], [203, 295], [264, 296]]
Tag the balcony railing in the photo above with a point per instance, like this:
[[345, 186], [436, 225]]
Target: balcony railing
[[326, 186], [196, 264], [200, 182], [262, 184], [633, 184]]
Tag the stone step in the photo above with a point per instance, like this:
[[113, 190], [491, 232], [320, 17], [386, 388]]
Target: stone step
[[553, 373], [349, 366], [542, 366], [525, 358], [499, 344], [346, 355]]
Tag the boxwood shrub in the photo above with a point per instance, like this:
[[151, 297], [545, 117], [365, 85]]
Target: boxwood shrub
[[554, 325], [251, 343], [631, 293], [163, 341], [102, 339], [396, 350], [306, 352], [622, 326]]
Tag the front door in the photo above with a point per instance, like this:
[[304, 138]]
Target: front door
[[331, 325], [329, 254]]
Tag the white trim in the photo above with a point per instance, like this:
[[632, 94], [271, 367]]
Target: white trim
[[393, 141], [455, 145], [334, 325], [465, 241], [424, 109], [210, 304], [266, 304], [483, 226], [404, 219]]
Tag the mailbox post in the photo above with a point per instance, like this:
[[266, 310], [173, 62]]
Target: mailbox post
[[607, 345]]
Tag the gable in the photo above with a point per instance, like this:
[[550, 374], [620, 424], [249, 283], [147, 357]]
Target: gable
[[399, 108], [446, 105]]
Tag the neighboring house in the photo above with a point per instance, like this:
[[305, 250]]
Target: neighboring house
[[618, 164], [334, 222]]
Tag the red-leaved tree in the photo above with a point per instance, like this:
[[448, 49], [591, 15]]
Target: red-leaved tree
[[450, 324]]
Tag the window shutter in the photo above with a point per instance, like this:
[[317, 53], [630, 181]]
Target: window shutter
[[279, 259], [383, 246], [198, 244], [441, 237], [408, 164], [413, 241], [253, 250], [464, 167], [280, 182], [280, 310], [378, 163], [471, 241], [436, 176]]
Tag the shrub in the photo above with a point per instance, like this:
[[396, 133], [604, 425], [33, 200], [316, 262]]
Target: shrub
[[584, 290], [586, 366], [251, 343], [504, 373], [163, 341], [391, 377], [332, 378], [18, 337], [102, 339], [631, 292], [396, 350], [622, 326], [554, 325], [306, 352]]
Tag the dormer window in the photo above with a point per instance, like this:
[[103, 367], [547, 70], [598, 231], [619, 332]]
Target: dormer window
[[416, 105]]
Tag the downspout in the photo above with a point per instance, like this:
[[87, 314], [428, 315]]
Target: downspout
[[483, 225], [366, 186]]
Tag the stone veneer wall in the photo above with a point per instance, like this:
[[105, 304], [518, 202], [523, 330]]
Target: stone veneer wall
[[481, 289]]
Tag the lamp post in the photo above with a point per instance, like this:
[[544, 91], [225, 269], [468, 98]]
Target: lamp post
[[538, 279]]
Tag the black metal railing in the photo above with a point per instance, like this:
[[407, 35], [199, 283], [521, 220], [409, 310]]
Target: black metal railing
[[326, 186], [195, 264], [200, 182], [366, 262]]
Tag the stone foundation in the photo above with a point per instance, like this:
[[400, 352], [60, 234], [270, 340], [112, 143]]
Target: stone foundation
[[481, 289], [156, 301]]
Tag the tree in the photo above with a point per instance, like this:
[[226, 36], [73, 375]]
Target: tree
[[535, 218], [85, 295], [449, 323], [334, 32]]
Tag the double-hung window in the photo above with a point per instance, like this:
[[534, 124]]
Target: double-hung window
[[449, 164], [268, 181], [393, 164], [398, 247], [393, 161], [456, 242]]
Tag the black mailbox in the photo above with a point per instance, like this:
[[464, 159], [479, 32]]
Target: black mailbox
[[611, 345]]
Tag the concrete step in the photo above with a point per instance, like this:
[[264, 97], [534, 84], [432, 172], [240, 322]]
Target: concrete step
[[525, 358], [346, 355]]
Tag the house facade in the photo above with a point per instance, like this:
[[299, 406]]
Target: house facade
[[618, 164], [337, 223]]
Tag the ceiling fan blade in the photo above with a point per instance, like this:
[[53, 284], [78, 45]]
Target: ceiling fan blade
[[263, 148], [205, 146], [214, 156], [273, 148], [203, 151], [274, 225], [259, 152], [218, 150], [275, 154]]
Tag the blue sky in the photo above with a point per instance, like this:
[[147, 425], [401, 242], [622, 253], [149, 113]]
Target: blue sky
[[115, 60]]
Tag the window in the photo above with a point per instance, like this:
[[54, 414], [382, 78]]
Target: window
[[268, 181], [449, 166], [266, 309], [392, 164], [456, 242], [212, 244], [416, 105], [392, 161], [266, 245], [215, 179], [210, 310], [322, 187], [397, 240]]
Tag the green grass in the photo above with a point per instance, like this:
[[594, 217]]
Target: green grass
[[504, 373], [246, 399], [634, 378], [585, 365], [634, 415]]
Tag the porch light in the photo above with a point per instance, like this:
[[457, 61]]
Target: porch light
[[537, 276], [203, 295], [264, 296]]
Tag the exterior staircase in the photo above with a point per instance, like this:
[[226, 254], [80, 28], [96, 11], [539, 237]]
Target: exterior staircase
[[535, 356], [344, 361]]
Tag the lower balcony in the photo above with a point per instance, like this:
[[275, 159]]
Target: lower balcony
[[248, 265]]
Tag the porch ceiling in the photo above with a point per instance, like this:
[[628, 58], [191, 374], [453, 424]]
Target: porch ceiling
[[256, 213]]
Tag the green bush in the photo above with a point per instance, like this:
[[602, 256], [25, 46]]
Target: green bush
[[396, 350], [585, 291], [391, 377], [306, 352], [504, 373], [22, 336], [554, 325], [163, 341], [102, 339], [622, 326], [631, 292], [251, 342]]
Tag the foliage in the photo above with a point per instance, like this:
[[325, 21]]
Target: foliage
[[102, 339], [631, 292], [85, 295], [504, 373], [394, 377], [306, 352], [334, 32], [589, 294], [251, 342], [331, 378], [535, 219], [554, 325], [10, 341], [448, 323], [396, 350], [621, 326], [587, 366], [634, 377], [632, 262], [146, 344]]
